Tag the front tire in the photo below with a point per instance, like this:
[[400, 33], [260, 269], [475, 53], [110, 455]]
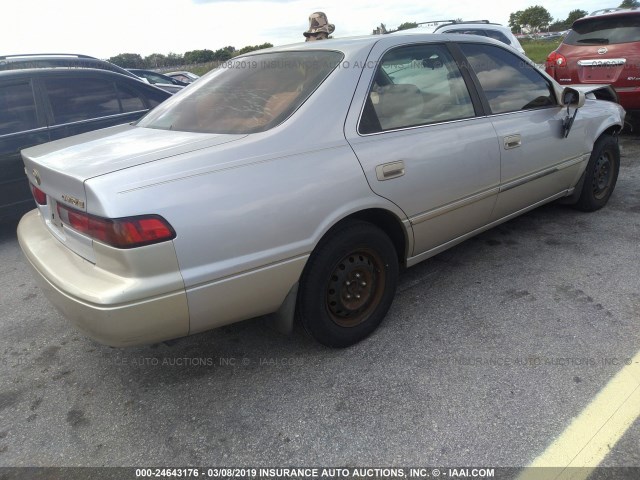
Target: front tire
[[601, 175], [348, 284]]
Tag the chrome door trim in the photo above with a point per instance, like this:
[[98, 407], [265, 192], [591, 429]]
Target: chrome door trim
[[463, 202], [543, 173], [411, 261]]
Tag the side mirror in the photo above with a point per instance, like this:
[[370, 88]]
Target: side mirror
[[572, 98]]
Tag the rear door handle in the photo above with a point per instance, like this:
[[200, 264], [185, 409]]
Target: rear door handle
[[512, 141], [387, 171]]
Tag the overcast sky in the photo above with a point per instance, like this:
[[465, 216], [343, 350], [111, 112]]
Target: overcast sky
[[107, 28]]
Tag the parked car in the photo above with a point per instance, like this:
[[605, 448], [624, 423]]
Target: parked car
[[603, 47], [44, 104], [484, 28], [164, 82], [59, 60], [247, 195], [183, 76]]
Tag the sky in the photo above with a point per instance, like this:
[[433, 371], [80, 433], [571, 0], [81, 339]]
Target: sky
[[106, 28]]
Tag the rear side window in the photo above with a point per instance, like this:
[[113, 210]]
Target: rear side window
[[605, 31], [76, 99], [17, 108], [130, 99], [496, 35], [509, 83], [468, 31], [415, 85]]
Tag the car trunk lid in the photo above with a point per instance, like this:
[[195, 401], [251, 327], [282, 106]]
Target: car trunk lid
[[61, 168]]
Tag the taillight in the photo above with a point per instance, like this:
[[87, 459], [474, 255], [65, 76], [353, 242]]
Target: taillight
[[554, 60], [127, 232], [39, 196]]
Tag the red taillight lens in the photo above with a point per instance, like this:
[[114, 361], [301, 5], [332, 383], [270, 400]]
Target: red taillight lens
[[39, 196], [127, 232], [554, 60]]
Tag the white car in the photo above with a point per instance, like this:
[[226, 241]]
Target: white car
[[481, 27], [298, 180]]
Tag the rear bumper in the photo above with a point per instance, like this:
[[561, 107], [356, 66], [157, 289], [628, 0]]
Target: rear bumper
[[629, 98], [140, 299]]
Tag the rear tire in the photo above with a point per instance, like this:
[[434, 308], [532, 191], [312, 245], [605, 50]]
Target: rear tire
[[601, 175], [348, 285]]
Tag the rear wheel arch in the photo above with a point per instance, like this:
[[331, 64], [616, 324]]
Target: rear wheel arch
[[379, 242], [348, 283], [386, 221]]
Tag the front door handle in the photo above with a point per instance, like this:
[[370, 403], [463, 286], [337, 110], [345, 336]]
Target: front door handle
[[512, 141], [387, 171]]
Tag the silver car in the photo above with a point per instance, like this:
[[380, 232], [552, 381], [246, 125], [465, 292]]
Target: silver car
[[297, 181]]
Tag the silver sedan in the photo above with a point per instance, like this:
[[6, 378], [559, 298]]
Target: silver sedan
[[297, 181]]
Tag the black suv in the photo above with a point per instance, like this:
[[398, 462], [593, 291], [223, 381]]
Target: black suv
[[44, 104], [66, 60]]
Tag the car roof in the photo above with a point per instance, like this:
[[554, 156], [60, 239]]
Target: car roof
[[77, 61], [19, 57], [613, 11], [60, 71], [608, 13], [352, 45], [63, 71]]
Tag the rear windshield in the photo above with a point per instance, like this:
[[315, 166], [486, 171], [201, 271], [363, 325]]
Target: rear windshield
[[246, 95], [605, 31]]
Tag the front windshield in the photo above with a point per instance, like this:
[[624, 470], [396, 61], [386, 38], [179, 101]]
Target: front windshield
[[246, 95]]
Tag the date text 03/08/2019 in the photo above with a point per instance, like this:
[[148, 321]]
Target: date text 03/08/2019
[[311, 473]]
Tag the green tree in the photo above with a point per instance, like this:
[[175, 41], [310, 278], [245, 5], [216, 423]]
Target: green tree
[[199, 56], [252, 48], [174, 60], [128, 60], [515, 21], [222, 54], [407, 25], [155, 60], [559, 25], [630, 4], [536, 17], [575, 15]]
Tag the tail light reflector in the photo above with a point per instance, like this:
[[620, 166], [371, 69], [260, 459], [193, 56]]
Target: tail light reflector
[[39, 196], [554, 60], [126, 232]]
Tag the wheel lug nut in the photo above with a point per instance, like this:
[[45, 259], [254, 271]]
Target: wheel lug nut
[[348, 283], [358, 297], [357, 275], [364, 284], [348, 297]]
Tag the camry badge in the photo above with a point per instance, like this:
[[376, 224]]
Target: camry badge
[[73, 201], [36, 176], [602, 50]]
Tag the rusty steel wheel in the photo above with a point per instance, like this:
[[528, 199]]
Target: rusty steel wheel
[[355, 287], [348, 284]]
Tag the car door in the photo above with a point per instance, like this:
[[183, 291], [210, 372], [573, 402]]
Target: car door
[[421, 143], [537, 162], [22, 125]]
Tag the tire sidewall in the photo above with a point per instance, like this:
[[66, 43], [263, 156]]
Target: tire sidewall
[[588, 201], [312, 308]]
